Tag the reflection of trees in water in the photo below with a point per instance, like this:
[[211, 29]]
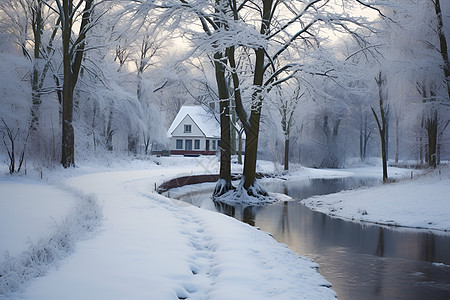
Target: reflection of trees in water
[[249, 214], [224, 208], [428, 252], [380, 265], [284, 220], [380, 245], [245, 214]]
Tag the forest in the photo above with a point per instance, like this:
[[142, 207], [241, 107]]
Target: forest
[[314, 82]]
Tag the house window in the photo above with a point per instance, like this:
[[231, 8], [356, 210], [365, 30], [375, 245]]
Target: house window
[[179, 144], [188, 145], [207, 145], [213, 145], [187, 128], [196, 144]]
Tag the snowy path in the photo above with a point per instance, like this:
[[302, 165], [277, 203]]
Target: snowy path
[[151, 247]]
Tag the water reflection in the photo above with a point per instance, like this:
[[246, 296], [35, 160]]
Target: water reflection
[[360, 260]]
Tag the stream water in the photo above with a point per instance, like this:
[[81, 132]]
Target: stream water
[[361, 261]]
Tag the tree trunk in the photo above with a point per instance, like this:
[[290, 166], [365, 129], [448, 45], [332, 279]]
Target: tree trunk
[[367, 134], [384, 157], [37, 28], [240, 148], [132, 143], [251, 152], [443, 44], [331, 159], [67, 152], [432, 131], [286, 154], [386, 134], [233, 131], [361, 141], [396, 140], [109, 131], [251, 125], [224, 184], [381, 122], [252, 131], [72, 59]]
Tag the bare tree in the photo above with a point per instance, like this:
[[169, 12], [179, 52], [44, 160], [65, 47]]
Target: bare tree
[[287, 105], [381, 121], [13, 137], [430, 121]]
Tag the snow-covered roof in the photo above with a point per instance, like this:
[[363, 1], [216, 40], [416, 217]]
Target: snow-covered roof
[[204, 120]]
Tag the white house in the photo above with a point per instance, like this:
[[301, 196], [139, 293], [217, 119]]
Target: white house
[[194, 131]]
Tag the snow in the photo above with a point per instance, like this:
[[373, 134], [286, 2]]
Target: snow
[[23, 217], [423, 202], [151, 247], [108, 235]]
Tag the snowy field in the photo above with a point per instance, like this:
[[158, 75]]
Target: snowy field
[[137, 244]]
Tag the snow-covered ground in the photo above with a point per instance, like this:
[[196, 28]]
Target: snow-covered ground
[[145, 246], [28, 208], [100, 231], [423, 202]]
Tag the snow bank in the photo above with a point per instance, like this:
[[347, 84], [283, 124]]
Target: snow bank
[[423, 202], [22, 217], [47, 244]]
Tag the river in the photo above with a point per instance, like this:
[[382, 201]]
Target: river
[[362, 261]]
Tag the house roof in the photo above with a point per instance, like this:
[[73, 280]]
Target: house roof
[[203, 119]]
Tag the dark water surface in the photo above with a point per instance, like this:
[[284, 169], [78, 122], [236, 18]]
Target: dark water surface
[[361, 261]]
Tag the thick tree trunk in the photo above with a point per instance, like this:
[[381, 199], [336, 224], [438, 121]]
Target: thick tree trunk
[[68, 137], [251, 125], [252, 131], [67, 152], [251, 152], [72, 58], [224, 184]]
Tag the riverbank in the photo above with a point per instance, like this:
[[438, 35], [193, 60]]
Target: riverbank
[[422, 202], [416, 199], [141, 245]]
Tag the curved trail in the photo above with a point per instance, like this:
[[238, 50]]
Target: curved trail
[[152, 247]]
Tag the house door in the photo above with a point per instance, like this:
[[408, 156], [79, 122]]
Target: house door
[[207, 145], [188, 145]]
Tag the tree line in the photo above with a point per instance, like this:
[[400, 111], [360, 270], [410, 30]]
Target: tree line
[[110, 72]]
